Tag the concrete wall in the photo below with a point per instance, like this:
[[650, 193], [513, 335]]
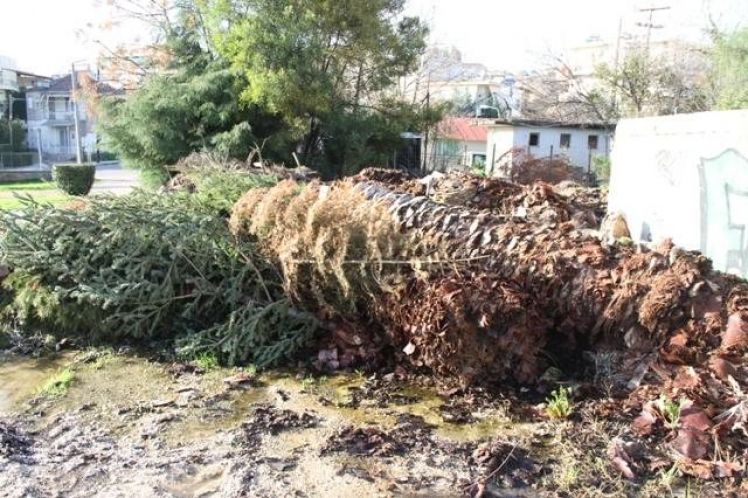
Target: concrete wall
[[686, 177], [577, 153], [500, 141]]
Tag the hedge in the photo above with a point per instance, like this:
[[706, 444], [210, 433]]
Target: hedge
[[74, 179]]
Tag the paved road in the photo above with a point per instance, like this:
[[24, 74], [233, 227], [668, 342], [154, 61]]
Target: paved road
[[112, 178]]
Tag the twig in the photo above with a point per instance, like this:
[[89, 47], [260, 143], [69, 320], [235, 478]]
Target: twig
[[254, 268], [495, 471]]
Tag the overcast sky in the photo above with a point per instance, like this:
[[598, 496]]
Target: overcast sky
[[45, 36]]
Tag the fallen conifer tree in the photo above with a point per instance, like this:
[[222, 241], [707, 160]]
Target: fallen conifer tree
[[487, 294]]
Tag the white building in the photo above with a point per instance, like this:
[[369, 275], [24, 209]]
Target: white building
[[445, 77], [578, 143], [8, 82], [51, 120]]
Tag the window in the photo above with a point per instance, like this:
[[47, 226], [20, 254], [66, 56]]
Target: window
[[534, 139], [592, 142], [565, 140], [479, 160]]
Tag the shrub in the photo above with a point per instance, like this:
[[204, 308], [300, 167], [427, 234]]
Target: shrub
[[601, 167], [18, 133], [103, 155], [522, 167], [149, 266], [74, 179]]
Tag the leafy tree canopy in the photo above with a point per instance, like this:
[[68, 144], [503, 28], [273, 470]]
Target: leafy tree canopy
[[193, 104], [324, 65], [308, 76]]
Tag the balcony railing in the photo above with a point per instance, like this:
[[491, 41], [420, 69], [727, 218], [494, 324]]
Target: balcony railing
[[60, 115], [36, 114]]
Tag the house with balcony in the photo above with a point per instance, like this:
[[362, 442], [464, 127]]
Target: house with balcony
[[51, 119]]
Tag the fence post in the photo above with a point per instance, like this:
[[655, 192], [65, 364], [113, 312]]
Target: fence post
[[493, 159], [551, 157]]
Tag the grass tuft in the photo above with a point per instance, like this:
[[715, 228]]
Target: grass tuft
[[57, 385], [206, 361]]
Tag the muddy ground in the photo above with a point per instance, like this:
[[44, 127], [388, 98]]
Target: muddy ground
[[127, 426]]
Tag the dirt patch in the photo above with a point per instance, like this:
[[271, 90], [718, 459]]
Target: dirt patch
[[386, 434], [266, 419]]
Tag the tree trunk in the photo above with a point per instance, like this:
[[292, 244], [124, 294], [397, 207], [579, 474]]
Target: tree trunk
[[585, 292]]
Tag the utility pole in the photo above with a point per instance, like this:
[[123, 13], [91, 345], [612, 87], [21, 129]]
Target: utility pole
[[649, 25], [424, 160], [74, 93]]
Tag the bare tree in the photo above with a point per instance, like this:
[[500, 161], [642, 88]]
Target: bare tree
[[560, 94], [127, 64], [641, 85]]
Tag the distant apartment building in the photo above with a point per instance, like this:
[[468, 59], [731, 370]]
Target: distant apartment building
[[13, 84], [445, 77], [8, 83]]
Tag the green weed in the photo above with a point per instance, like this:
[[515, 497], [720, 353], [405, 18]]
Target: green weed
[[558, 404], [206, 361], [667, 477], [670, 410]]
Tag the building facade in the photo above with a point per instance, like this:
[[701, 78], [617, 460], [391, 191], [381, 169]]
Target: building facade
[[459, 144], [579, 143], [8, 83]]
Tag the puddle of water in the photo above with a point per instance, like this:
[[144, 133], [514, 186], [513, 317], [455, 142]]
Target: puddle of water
[[20, 377], [119, 386], [339, 388], [198, 423], [121, 381]]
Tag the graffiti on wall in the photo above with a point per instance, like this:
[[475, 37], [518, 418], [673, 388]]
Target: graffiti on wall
[[723, 183]]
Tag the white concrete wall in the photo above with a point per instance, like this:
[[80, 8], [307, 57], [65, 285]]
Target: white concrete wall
[[500, 141], [686, 177], [503, 138], [470, 148]]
